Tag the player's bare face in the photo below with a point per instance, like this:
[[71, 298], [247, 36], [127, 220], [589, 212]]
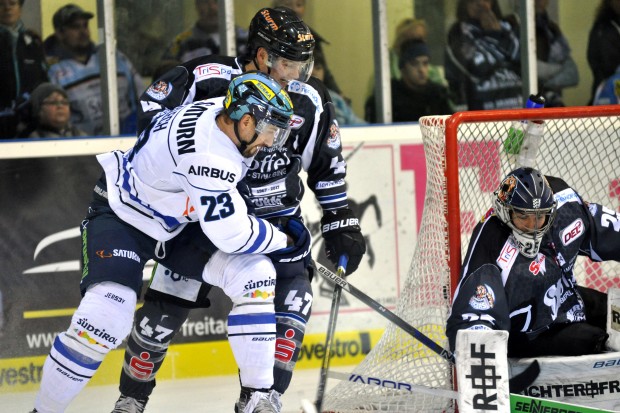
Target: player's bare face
[[528, 222], [55, 111], [75, 36]]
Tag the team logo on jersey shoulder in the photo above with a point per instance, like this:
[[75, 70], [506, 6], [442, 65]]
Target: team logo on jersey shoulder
[[483, 299], [159, 90], [296, 122], [333, 141]]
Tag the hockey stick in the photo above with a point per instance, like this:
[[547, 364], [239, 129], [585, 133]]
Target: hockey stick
[[518, 402], [518, 383], [331, 328]]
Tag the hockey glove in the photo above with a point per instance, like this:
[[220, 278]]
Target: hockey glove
[[293, 260], [342, 234]]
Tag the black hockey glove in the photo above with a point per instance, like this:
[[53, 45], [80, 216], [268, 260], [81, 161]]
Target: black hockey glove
[[293, 260], [342, 234]]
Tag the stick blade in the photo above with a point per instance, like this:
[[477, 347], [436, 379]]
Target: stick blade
[[307, 406]]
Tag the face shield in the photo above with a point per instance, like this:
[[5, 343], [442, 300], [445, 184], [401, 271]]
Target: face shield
[[289, 70], [277, 134]]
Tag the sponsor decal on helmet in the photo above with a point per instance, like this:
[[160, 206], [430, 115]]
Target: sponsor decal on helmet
[[267, 92], [269, 19], [304, 37], [159, 90], [483, 299]]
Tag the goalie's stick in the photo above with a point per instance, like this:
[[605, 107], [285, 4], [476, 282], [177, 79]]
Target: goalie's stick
[[331, 328], [518, 383]]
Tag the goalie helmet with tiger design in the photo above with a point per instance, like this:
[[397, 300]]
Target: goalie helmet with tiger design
[[524, 202]]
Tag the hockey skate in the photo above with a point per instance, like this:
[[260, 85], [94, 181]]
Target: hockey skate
[[254, 401], [126, 404]]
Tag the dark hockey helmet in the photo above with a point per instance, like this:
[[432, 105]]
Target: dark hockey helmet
[[262, 97], [281, 32], [524, 193]]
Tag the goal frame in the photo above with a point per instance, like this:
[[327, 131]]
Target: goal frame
[[452, 160]]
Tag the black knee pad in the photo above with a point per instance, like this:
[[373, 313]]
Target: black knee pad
[[156, 323], [293, 305]]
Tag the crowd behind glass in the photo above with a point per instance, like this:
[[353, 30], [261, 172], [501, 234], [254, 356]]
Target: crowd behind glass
[[467, 58]]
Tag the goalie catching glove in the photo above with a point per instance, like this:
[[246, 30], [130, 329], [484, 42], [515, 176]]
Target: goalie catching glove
[[292, 260], [342, 234]]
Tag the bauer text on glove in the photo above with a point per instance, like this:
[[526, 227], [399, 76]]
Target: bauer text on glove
[[342, 234]]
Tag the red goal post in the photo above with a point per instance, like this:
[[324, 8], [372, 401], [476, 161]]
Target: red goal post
[[600, 133]]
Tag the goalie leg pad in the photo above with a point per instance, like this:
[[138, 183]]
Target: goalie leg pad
[[249, 281], [613, 319], [101, 322], [157, 322]]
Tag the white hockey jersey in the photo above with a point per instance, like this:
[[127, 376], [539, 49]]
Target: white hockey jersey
[[182, 169]]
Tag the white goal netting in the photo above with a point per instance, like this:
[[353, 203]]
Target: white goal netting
[[581, 145]]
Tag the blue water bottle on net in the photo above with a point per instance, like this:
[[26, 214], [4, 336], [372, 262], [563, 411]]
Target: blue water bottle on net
[[514, 143]]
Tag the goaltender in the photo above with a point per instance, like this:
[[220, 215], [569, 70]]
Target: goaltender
[[518, 272]]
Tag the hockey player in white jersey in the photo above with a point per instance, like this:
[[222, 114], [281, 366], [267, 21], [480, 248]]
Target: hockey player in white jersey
[[183, 168], [281, 45]]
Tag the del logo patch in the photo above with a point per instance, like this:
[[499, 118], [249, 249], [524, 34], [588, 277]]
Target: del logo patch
[[572, 232]]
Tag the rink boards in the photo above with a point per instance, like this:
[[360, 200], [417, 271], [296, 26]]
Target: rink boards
[[46, 186]]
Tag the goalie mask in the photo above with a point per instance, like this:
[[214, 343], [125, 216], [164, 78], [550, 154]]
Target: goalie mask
[[524, 201]]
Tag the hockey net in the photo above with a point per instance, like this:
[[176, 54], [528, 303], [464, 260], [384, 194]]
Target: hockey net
[[465, 161]]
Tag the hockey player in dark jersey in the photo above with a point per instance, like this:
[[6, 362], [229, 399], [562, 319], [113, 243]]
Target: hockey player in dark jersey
[[518, 272], [279, 44]]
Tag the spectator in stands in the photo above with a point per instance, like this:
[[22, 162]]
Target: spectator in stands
[[604, 43], [414, 95], [608, 92], [555, 66], [482, 58], [344, 112], [204, 37], [416, 29], [299, 7], [22, 64], [75, 66], [50, 113], [518, 274]]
